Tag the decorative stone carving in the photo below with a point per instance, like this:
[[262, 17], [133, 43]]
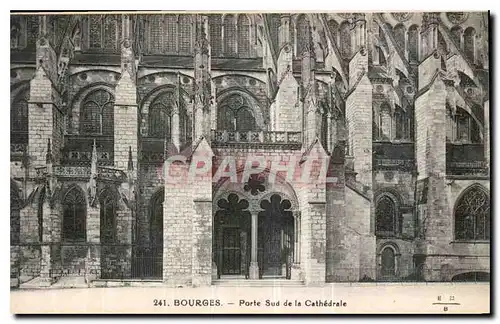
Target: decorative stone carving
[[402, 16], [457, 18]]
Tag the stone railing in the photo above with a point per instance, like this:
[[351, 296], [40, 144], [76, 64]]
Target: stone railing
[[82, 173], [465, 159], [255, 137], [394, 163]]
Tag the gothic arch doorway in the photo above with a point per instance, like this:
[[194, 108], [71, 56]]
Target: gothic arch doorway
[[276, 241], [232, 236]]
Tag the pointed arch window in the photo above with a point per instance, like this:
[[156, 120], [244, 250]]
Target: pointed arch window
[[345, 40], [402, 124], [413, 44], [388, 262], [32, 23], [236, 115], [472, 215], [469, 44], [19, 118], [302, 34], [333, 26], [74, 216], [215, 23], [275, 22], [400, 36], [108, 217], [97, 115], [243, 36], [230, 37], [160, 116], [386, 216], [385, 123], [456, 34]]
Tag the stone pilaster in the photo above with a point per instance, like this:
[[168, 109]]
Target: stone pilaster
[[312, 195], [203, 100], [359, 114]]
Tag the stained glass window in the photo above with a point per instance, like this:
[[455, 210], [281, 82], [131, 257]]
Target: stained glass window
[[170, 33], [274, 29], [413, 44], [160, 116], [400, 35], [229, 35], [472, 215], [456, 34], [104, 32], [236, 115], [469, 44], [108, 217], [74, 216], [243, 36], [345, 40], [402, 124], [32, 23], [19, 113], [185, 34], [385, 123], [334, 30], [215, 34], [97, 115], [385, 216], [302, 34], [155, 28]]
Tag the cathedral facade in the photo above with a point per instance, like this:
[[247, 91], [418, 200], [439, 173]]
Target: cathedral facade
[[310, 148]]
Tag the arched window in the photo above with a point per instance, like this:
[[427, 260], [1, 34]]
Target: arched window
[[413, 44], [400, 35], [16, 33], [185, 34], [386, 216], [160, 115], [472, 215], [97, 115], [108, 217], [32, 23], [275, 22], [15, 218], [104, 33], [388, 262], [469, 44], [243, 36], [402, 124], [345, 40], [456, 34], [74, 216], [19, 116], [215, 34], [229, 35], [334, 30], [385, 122], [236, 115], [442, 46], [302, 34]]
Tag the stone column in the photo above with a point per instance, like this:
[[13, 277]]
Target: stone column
[[296, 273], [254, 265]]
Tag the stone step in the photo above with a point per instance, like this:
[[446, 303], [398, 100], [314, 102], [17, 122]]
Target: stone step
[[257, 283]]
